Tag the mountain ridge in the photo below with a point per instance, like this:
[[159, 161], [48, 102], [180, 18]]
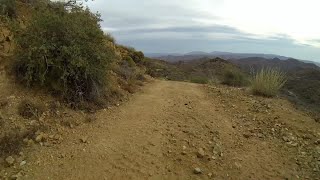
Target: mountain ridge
[[174, 57]]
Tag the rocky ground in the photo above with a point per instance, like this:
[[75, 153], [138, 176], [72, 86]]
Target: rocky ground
[[176, 130]]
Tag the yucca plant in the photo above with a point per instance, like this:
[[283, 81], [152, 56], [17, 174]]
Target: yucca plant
[[268, 81]]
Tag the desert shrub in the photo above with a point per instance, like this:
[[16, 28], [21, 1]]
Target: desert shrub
[[64, 51], [13, 140], [28, 109], [130, 61], [11, 143], [137, 56], [126, 71], [234, 77], [268, 82], [199, 80], [8, 8]]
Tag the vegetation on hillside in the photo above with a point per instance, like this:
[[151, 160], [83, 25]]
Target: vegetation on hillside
[[57, 52], [303, 88], [200, 71], [8, 8], [267, 82], [235, 77], [54, 51]]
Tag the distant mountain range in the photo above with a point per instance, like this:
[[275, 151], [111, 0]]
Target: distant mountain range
[[287, 65], [224, 55]]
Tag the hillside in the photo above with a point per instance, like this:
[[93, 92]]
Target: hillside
[[199, 71], [286, 65]]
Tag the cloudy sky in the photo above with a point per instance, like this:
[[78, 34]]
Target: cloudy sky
[[284, 27]]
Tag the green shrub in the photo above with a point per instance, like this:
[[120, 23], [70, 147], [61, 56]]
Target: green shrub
[[268, 82], [130, 61], [234, 77], [64, 51], [137, 56], [8, 8], [199, 80]]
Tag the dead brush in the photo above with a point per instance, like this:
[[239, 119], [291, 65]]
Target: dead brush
[[12, 142], [30, 110]]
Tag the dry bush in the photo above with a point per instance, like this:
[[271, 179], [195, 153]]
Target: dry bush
[[13, 141], [30, 110]]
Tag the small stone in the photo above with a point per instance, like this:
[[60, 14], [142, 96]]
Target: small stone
[[210, 175], [33, 123], [317, 142], [183, 153], [10, 160], [41, 137], [23, 163], [184, 147], [292, 144], [259, 135], [269, 106], [200, 153], [84, 139], [286, 139], [197, 171]]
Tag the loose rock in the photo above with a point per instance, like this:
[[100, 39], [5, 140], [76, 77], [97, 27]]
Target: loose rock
[[10, 160], [41, 137], [23, 163], [197, 171], [200, 153], [84, 139]]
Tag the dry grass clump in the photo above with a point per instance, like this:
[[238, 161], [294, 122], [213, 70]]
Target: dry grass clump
[[267, 82]]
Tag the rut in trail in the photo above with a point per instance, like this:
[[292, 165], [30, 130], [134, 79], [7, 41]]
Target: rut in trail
[[171, 128]]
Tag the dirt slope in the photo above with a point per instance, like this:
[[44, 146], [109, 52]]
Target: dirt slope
[[171, 128]]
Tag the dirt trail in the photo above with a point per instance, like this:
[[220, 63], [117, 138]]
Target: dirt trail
[[166, 131]]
